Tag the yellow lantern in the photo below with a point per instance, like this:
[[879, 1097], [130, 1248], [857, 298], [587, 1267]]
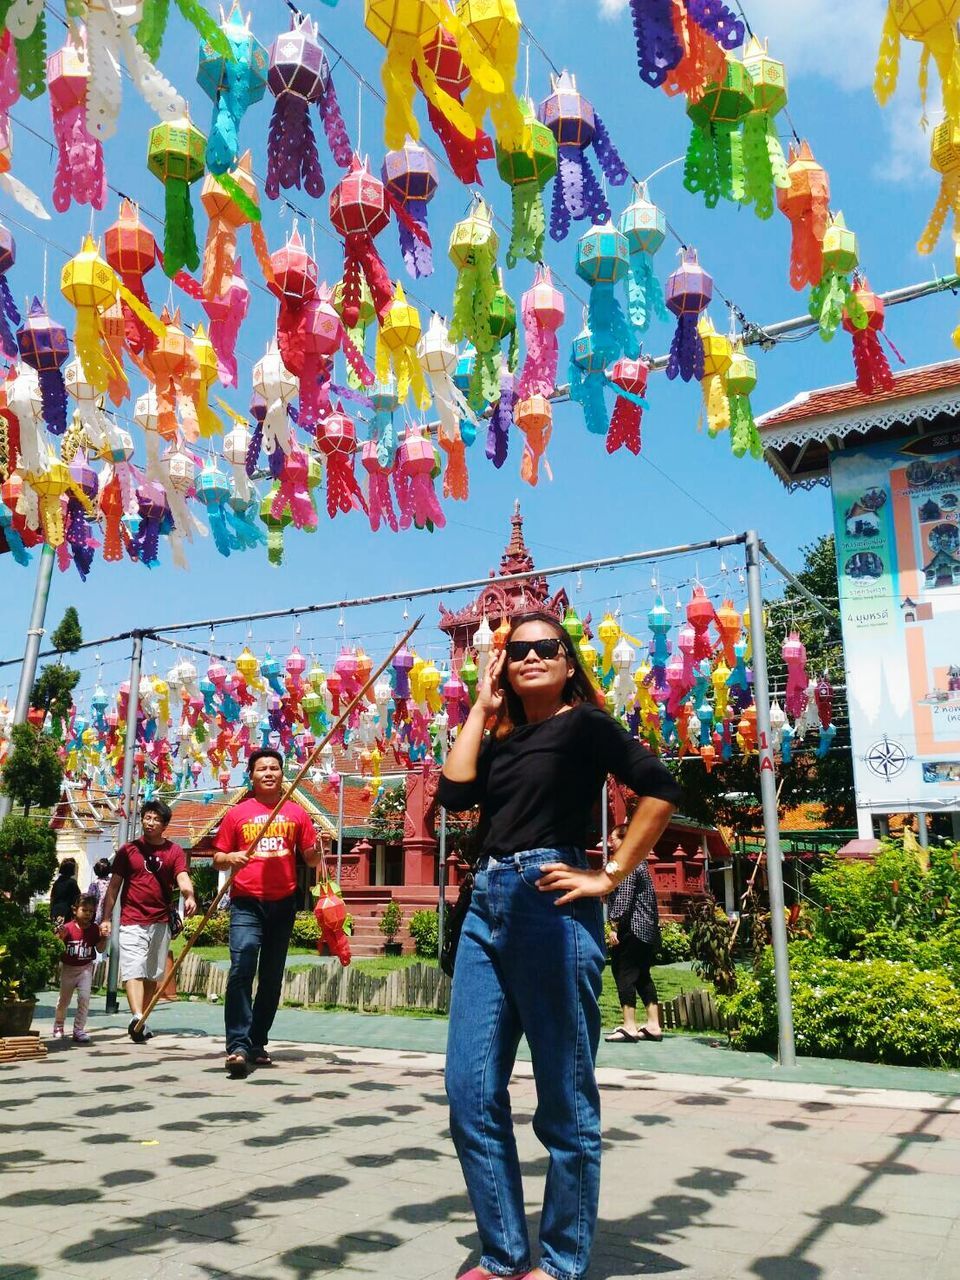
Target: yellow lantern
[[206, 358], [933, 24], [397, 348], [717, 354]]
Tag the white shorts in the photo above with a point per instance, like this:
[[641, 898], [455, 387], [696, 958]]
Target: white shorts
[[143, 950]]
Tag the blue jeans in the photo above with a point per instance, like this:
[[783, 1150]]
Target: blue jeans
[[259, 931], [527, 967]]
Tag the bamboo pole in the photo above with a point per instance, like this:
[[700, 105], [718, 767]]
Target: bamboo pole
[[291, 786]]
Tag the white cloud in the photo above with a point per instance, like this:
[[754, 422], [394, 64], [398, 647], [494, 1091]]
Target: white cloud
[[610, 8]]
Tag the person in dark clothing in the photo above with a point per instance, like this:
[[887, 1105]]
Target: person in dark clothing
[[636, 920], [530, 957], [65, 893]]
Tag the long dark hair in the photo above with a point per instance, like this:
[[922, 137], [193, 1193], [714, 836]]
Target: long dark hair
[[577, 689]]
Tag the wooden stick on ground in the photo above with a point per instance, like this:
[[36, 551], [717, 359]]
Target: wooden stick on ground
[[307, 764]]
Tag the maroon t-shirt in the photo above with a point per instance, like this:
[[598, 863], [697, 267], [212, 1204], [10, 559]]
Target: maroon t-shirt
[[146, 893], [81, 944]]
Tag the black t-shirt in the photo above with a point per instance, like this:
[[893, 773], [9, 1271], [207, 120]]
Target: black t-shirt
[[536, 787], [63, 897]]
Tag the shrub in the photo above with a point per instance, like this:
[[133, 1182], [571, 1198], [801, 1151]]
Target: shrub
[[425, 931], [674, 943], [871, 1010], [710, 934], [391, 921], [29, 951], [306, 931], [216, 932]]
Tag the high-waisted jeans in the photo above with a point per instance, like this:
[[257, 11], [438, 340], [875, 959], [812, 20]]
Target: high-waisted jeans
[[528, 967]]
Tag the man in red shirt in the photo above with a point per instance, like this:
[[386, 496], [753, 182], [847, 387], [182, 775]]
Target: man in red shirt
[[263, 903], [145, 872]]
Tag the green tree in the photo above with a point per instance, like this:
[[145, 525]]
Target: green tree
[[52, 691], [386, 813]]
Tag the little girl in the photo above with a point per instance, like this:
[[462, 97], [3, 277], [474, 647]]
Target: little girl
[[83, 940]]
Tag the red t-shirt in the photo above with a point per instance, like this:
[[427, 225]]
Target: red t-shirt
[[81, 944], [146, 893], [271, 873]]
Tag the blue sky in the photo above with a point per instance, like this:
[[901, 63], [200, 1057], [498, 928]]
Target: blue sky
[[684, 486]]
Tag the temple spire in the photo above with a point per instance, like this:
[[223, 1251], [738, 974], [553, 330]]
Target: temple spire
[[516, 558]]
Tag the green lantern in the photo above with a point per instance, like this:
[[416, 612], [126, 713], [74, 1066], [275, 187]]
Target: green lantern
[[764, 163], [835, 291], [527, 172], [175, 155], [714, 161]]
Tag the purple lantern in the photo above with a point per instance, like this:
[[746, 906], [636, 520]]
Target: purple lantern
[[258, 411], [154, 519], [299, 75], [8, 308], [78, 531], [43, 346], [658, 46], [410, 177], [718, 21], [688, 293], [575, 125]]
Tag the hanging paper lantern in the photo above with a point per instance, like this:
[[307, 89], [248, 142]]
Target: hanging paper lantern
[[741, 380], [207, 366], [299, 76], [233, 81], [275, 386], [154, 518], [575, 124], [534, 416], [764, 164], [945, 160], [603, 260], [645, 229], [495, 26], [527, 171], [452, 75], [213, 492], [794, 654], [397, 349], [658, 47], [275, 526], [379, 504], [834, 292], [359, 211], [295, 283], [337, 441], [629, 377], [175, 155], [410, 177], [473, 252], [873, 369], [933, 24], [230, 202], [589, 358], [498, 437], [226, 314], [438, 360], [293, 491], [806, 202], [688, 293], [413, 477], [490, 364], [9, 313], [43, 346], [542, 311], [715, 161], [90, 285], [717, 353], [174, 374], [718, 21], [403, 28], [131, 250], [80, 174]]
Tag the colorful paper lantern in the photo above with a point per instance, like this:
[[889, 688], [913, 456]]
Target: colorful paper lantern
[[397, 349], [526, 171], [9, 312], [629, 377], [80, 174], [873, 369], [131, 250], [359, 211], [413, 478], [933, 25], [43, 346], [542, 311], [337, 441], [714, 165], [806, 203], [764, 164], [175, 155], [410, 177], [658, 47], [233, 81], [834, 292], [688, 293], [495, 27], [645, 229], [576, 125], [464, 151], [717, 353]]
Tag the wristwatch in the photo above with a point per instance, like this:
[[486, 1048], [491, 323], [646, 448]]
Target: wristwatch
[[612, 868]]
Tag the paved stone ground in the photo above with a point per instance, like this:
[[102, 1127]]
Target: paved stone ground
[[146, 1163]]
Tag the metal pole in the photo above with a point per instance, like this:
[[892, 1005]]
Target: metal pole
[[28, 672], [768, 795], [343, 783], [128, 821], [923, 835]]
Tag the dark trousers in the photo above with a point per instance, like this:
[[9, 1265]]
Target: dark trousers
[[630, 960], [259, 938]]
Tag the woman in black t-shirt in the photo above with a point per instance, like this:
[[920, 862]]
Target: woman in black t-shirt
[[65, 892], [530, 959]]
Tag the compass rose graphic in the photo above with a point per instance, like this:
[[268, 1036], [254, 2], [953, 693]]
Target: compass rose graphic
[[886, 759]]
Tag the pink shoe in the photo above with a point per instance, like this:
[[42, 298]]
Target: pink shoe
[[58, 1031]]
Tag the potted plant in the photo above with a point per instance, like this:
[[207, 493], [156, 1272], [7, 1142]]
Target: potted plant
[[29, 948], [390, 925]]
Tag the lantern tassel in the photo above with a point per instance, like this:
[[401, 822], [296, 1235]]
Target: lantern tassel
[[180, 247]]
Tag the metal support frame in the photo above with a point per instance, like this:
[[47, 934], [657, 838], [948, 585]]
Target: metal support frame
[[129, 819], [28, 672], [768, 796], [343, 783], [442, 846]]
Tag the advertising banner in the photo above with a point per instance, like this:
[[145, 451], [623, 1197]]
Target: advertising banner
[[897, 520]]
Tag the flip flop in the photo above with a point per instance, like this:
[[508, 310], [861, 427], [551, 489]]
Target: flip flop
[[621, 1036], [236, 1065], [648, 1035], [261, 1058]]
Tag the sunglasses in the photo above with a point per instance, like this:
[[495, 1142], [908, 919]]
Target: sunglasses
[[517, 650]]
